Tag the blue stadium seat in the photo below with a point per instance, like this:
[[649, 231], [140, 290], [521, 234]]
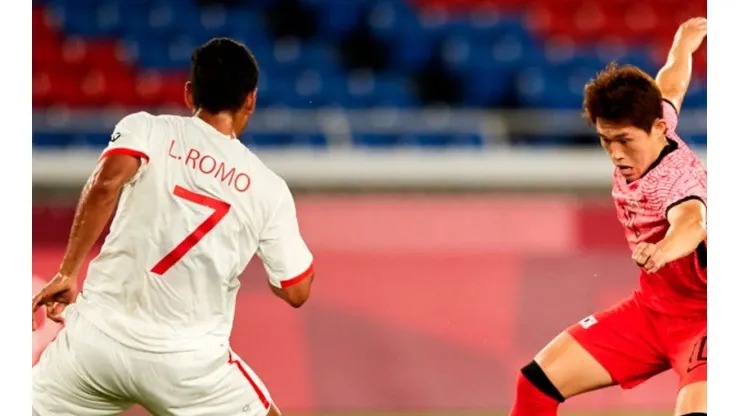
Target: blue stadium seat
[[97, 140], [696, 97], [377, 140], [443, 140], [271, 140], [309, 140], [494, 55], [51, 140], [699, 140], [267, 140], [338, 17], [393, 91]]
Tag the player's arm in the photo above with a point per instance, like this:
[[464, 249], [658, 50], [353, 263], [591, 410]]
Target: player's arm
[[688, 229], [295, 295], [121, 160], [287, 260], [673, 79], [95, 207]]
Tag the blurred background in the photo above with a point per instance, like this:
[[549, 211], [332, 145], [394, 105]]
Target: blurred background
[[457, 205]]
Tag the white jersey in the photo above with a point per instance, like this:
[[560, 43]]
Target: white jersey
[[188, 223]]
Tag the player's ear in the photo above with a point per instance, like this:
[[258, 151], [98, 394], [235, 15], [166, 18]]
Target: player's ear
[[188, 96], [660, 126], [251, 103]]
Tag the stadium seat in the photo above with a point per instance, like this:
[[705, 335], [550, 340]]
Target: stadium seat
[[136, 53]]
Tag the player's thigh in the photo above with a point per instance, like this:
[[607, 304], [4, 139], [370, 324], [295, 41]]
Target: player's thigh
[[570, 368], [66, 380], [692, 398], [200, 386], [688, 346], [614, 346]]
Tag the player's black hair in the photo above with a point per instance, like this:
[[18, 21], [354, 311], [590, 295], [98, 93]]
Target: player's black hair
[[623, 95], [222, 72]]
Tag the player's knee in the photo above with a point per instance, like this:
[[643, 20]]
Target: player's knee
[[532, 375]]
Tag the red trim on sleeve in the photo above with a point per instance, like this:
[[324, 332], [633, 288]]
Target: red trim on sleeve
[[124, 151], [257, 390], [297, 279]]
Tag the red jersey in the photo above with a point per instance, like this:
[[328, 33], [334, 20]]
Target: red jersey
[[680, 287]]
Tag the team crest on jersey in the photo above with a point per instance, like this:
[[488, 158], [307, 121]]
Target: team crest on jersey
[[588, 322]]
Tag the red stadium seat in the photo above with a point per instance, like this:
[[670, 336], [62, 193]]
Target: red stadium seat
[[161, 89], [46, 54], [638, 23], [41, 29], [122, 90], [98, 53], [148, 87], [41, 89], [173, 90], [589, 21], [62, 87]]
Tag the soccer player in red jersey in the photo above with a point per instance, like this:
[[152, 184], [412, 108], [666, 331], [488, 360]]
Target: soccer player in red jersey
[[660, 192]]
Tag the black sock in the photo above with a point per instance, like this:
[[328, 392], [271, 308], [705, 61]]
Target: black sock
[[533, 372], [695, 414]]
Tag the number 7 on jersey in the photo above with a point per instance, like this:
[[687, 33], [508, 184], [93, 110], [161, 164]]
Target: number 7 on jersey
[[220, 209]]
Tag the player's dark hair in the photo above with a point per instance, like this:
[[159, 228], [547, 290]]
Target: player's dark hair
[[222, 72], [623, 95]]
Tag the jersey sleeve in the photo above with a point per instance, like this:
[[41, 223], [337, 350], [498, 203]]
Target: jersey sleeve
[[131, 137], [285, 255], [687, 185], [670, 115]]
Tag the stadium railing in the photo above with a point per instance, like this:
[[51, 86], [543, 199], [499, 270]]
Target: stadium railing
[[495, 165]]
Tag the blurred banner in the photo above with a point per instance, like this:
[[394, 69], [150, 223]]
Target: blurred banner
[[422, 302]]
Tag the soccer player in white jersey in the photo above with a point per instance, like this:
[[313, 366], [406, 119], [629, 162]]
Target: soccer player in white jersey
[[152, 323]]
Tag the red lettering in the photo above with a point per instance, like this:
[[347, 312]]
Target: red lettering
[[172, 146], [218, 170], [245, 185], [223, 175], [213, 167], [192, 155]]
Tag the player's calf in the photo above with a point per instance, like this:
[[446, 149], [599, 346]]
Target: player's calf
[[561, 370]]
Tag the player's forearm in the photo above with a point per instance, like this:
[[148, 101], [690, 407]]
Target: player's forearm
[[674, 78], [683, 238], [93, 212]]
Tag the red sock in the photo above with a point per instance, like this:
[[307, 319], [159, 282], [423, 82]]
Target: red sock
[[530, 401]]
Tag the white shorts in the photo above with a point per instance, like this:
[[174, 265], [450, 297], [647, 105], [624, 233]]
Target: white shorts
[[86, 373]]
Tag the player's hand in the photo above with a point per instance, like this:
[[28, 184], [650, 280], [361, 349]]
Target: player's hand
[[649, 256], [56, 295], [691, 34]]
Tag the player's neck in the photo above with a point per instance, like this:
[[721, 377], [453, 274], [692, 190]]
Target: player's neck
[[666, 147], [221, 122]]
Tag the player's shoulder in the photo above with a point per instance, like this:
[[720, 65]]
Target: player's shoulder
[[682, 162], [264, 179], [137, 120], [266, 174], [682, 167], [143, 119]]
